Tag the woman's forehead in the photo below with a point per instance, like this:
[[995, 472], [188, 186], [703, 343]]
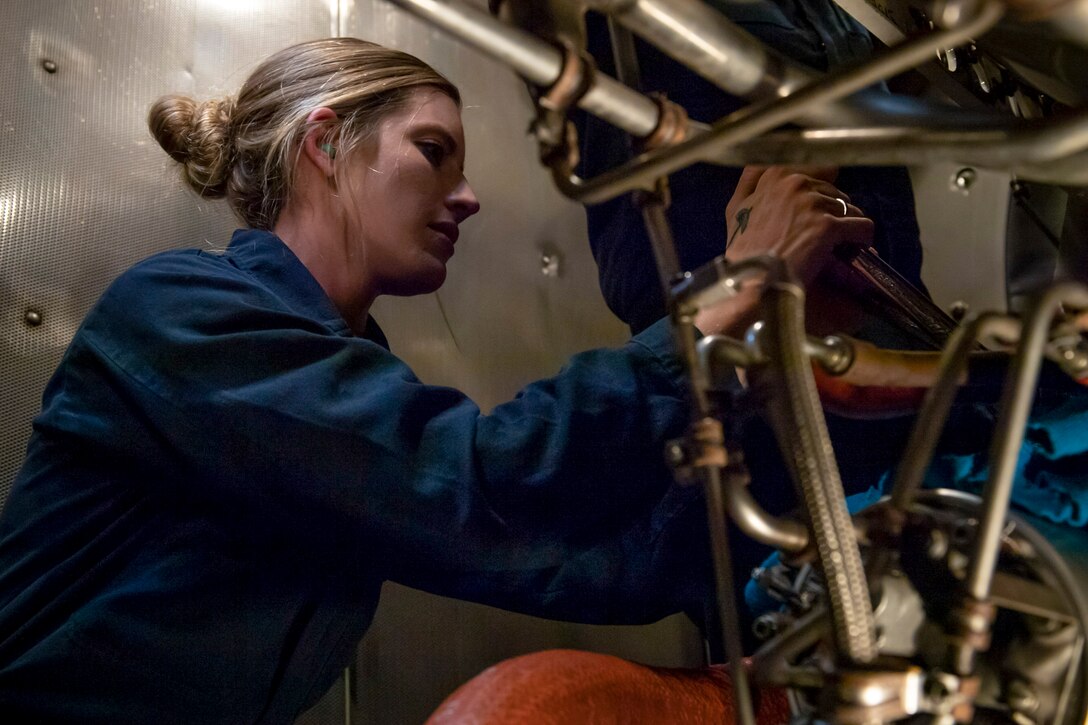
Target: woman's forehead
[[429, 107], [429, 110]]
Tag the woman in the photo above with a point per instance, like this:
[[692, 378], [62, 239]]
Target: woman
[[229, 461]]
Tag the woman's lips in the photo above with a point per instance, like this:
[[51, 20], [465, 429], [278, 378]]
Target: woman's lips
[[446, 229]]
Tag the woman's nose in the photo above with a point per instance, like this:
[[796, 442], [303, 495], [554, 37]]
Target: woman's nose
[[462, 201]]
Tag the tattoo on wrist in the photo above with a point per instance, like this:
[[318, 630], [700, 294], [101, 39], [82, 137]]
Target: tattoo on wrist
[[742, 224]]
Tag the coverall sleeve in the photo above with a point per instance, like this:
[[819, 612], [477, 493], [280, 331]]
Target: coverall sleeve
[[251, 410]]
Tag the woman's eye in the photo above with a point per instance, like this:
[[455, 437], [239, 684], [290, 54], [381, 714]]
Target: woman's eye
[[433, 152]]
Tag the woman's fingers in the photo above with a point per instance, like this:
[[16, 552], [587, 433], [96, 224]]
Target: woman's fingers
[[855, 230], [749, 180], [839, 206], [828, 189]]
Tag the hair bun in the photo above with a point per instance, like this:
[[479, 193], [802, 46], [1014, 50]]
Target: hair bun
[[197, 136]]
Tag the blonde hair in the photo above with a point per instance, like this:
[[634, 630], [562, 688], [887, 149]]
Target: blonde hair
[[245, 148]]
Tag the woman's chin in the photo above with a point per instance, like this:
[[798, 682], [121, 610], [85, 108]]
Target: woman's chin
[[420, 284]]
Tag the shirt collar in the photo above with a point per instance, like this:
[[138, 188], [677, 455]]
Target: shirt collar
[[265, 255]]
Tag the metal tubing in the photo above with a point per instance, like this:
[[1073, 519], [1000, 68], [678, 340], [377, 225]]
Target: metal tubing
[[938, 401], [711, 475], [749, 122], [783, 534], [771, 663], [653, 207], [718, 352], [719, 280], [536, 61], [836, 355], [727, 610], [1039, 152], [704, 40], [1055, 150], [1015, 406], [803, 437]]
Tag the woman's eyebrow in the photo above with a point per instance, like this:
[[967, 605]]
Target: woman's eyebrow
[[437, 130]]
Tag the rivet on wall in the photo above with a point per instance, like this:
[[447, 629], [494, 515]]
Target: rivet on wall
[[50, 66], [32, 318], [964, 179], [549, 264]]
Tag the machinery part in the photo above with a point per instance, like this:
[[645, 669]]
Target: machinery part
[[886, 129], [802, 432], [1033, 671], [966, 568]]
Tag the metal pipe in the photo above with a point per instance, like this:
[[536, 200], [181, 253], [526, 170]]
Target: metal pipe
[[654, 206], [1055, 150], [835, 354], [721, 559], [720, 279], [1039, 152], [803, 438], [536, 61], [771, 664], [938, 401], [1015, 406], [727, 610], [704, 40], [783, 534], [751, 121]]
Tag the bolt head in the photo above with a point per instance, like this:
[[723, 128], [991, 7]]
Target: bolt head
[[549, 264], [964, 179]]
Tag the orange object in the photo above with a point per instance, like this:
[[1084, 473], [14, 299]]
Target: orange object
[[840, 396], [569, 687]]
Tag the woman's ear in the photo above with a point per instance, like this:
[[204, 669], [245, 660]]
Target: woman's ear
[[318, 145]]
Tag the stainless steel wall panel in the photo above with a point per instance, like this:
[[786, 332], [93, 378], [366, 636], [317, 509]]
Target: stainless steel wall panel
[[84, 191], [963, 228]]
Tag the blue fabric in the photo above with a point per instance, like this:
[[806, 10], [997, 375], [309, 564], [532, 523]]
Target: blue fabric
[[1061, 432], [816, 33], [222, 476], [1049, 479]]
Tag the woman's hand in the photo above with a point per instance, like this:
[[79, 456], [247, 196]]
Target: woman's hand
[[793, 213]]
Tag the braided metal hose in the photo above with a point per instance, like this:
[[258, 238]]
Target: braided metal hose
[[802, 433]]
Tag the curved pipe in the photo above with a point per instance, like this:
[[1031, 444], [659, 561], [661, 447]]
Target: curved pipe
[[536, 61], [1051, 152], [784, 534]]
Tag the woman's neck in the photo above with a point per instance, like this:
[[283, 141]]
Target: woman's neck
[[318, 238]]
